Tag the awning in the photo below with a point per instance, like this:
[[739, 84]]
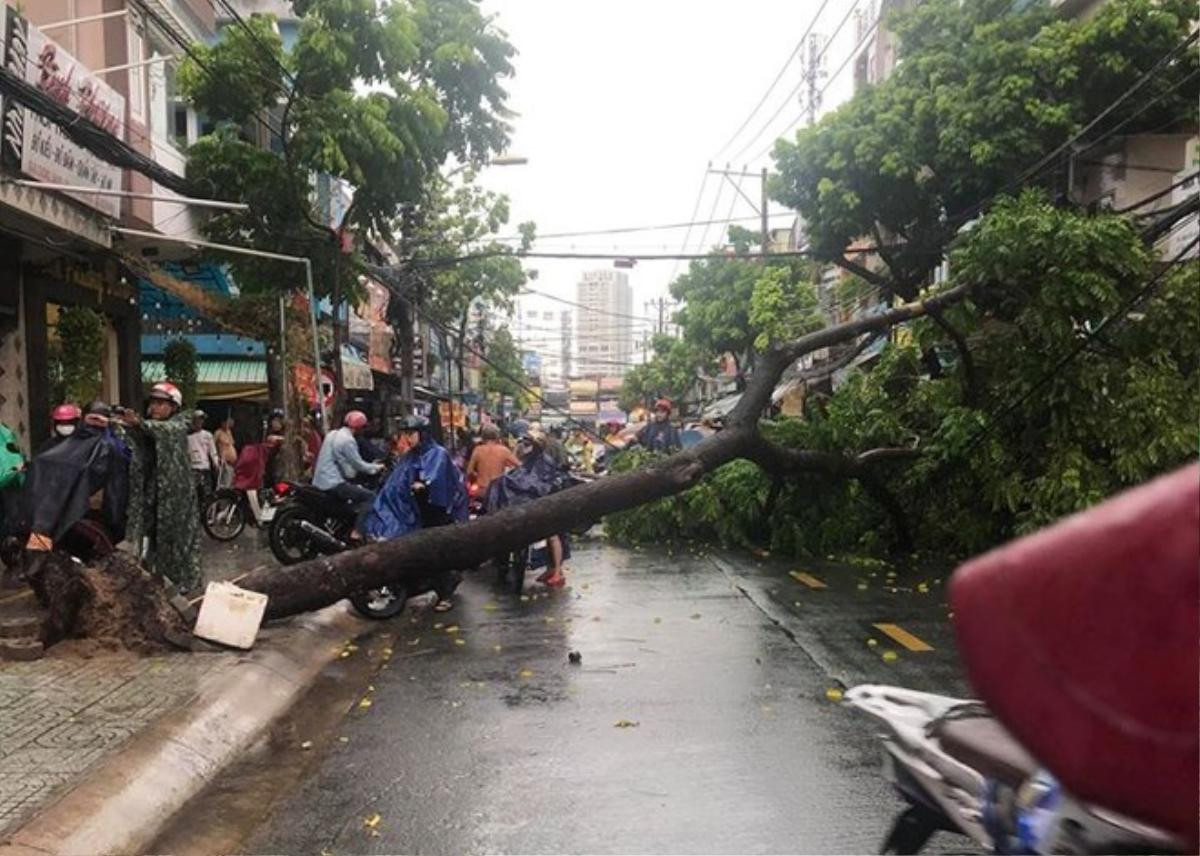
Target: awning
[[219, 379], [721, 407]]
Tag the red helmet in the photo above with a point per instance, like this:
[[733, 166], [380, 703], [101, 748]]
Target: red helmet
[[167, 391], [66, 413], [663, 404], [355, 419]]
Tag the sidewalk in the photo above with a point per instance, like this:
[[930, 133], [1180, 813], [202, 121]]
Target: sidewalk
[[70, 722]]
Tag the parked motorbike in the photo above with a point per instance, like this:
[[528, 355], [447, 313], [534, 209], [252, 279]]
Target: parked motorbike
[[960, 771], [228, 511]]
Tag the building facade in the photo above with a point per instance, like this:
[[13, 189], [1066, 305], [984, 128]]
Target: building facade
[[604, 324]]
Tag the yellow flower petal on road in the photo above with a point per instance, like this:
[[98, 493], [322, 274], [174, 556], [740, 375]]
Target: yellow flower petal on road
[[372, 821], [625, 723], [833, 694], [890, 656]]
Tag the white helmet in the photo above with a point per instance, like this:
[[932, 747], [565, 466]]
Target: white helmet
[[167, 391]]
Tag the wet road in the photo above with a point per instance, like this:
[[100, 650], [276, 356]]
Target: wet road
[[697, 721]]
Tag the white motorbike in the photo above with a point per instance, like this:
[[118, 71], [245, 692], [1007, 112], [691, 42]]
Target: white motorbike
[[960, 771]]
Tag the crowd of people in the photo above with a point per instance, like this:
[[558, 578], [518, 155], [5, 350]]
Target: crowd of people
[[107, 474]]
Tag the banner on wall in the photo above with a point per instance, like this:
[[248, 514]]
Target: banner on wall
[[37, 147]]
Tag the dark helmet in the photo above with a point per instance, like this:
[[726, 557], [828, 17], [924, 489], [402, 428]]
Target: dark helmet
[[413, 422]]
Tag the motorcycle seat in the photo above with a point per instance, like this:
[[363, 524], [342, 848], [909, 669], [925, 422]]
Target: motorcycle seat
[[985, 745]]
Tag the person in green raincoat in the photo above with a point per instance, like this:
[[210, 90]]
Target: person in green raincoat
[[163, 520]]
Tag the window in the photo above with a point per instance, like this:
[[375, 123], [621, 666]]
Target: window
[[137, 74]]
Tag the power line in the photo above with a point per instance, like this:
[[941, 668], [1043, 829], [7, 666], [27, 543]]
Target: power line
[[695, 210], [624, 230], [778, 77], [712, 213], [828, 83], [796, 89], [587, 308]]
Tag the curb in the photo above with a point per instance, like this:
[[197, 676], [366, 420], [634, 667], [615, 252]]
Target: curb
[[123, 804]]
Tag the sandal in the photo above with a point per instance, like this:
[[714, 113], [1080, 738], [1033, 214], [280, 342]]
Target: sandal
[[443, 606]]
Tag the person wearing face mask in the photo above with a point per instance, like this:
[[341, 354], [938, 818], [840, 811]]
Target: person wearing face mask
[[65, 420], [660, 435]]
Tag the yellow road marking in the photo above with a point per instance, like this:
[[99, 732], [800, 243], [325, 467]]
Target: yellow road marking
[[17, 596], [902, 636], [808, 579]]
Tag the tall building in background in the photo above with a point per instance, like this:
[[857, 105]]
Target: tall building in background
[[604, 324]]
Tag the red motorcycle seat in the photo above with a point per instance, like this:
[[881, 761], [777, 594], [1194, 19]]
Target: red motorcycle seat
[[1084, 639]]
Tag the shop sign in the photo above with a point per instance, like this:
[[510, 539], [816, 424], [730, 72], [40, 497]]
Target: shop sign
[[41, 149]]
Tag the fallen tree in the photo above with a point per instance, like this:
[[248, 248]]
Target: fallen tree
[[320, 582]]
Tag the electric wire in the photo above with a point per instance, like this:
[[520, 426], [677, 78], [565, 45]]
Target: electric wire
[[778, 77]]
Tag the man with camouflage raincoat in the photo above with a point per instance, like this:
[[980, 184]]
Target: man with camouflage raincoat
[[164, 522]]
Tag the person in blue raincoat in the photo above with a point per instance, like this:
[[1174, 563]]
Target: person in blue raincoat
[[425, 489]]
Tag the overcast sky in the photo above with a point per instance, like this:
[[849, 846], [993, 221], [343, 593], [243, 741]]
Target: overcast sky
[[622, 103]]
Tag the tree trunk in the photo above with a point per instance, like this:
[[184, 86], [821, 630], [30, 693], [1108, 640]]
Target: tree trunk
[[320, 582]]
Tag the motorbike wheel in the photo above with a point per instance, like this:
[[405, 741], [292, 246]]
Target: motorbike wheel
[[381, 603], [290, 544], [224, 515]]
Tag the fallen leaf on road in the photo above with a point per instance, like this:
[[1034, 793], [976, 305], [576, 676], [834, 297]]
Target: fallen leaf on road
[[464, 684], [460, 641], [595, 618], [452, 629], [550, 619], [872, 642], [413, 642], [833, 694], [370, 688], [525, 673], [658, 621], [923, 588], [343, 740], [524, 598], [307, 744], [890, 656], [345, 654], [372, 821], [625, 723], [387, 652], [585, 585], [695, 615], [364, 703], [490, 607], [497, 648], [438, 626], [862, 586], [456, 704]]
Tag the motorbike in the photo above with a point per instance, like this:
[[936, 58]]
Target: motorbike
[[228, 512], [511, 567], [309, 522], [960, 771]]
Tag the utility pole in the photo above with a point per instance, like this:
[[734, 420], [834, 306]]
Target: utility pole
[[813, 73], [762, 209], [762, 212]]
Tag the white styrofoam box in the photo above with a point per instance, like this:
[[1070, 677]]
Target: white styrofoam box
[[230, 615]]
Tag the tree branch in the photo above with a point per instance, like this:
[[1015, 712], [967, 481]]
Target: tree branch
[[861, 271], [758, 392]]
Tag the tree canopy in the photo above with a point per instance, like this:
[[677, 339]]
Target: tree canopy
[[378, 94]]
